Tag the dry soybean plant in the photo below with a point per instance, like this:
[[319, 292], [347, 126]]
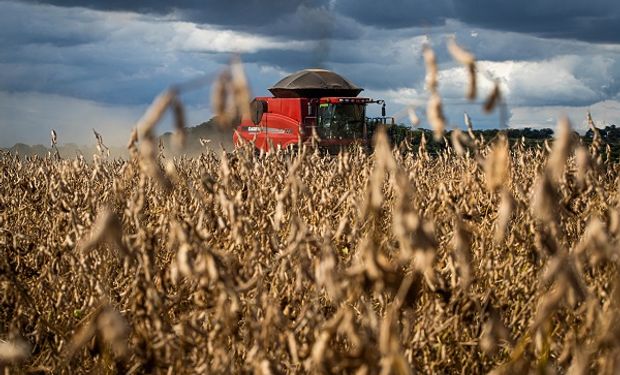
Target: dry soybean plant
[[488, 257]]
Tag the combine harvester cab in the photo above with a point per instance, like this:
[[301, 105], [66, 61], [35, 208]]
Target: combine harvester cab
[[312, 104]]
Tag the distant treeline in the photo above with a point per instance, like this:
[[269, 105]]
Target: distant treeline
[[399, 133], [532, 137]]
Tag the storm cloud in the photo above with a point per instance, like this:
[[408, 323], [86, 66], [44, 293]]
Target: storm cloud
[[594, 20], [303, 19]]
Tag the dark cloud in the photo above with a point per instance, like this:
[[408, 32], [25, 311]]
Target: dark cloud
[[594, 20], [396, 13], [19, 26], [230, 12], [309, 22], [291, 19]]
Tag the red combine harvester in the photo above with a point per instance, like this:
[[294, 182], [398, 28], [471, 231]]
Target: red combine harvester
[[312, 103]]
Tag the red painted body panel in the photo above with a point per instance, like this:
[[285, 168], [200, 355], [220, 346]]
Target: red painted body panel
[[294, 108]]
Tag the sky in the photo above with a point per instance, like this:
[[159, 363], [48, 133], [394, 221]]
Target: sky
[[74, 66]]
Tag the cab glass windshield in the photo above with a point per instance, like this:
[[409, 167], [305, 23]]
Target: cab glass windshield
[[344, 121]]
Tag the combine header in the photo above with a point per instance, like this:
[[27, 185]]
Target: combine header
[[311, 104]]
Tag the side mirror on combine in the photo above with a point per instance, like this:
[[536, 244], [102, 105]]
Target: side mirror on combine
[[257, 108]]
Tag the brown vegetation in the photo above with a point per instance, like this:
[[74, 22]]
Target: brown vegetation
[[383, 263]]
